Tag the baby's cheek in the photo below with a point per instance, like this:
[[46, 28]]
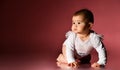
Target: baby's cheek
[[80, 29], [73, 29]]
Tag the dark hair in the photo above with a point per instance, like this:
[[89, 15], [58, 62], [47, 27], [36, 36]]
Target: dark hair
[[87, 14]]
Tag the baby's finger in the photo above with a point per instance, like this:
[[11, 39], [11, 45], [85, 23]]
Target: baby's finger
[[74, 64]]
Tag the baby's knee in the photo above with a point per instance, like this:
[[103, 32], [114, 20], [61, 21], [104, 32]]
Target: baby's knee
[[58, 58], [61, 58]]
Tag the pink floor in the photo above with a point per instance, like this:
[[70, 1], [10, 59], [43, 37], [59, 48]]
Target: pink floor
[[45, 62]]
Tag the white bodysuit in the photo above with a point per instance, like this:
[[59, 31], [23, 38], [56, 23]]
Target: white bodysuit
[[83, 48]]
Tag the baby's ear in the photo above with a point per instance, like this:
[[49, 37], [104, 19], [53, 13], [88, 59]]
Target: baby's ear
[[91, 25]]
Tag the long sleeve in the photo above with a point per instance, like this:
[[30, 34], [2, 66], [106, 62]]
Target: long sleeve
[[69, 43], [100, 48]]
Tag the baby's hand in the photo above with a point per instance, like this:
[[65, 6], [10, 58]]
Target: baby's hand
[[95, 65], [74, 64]]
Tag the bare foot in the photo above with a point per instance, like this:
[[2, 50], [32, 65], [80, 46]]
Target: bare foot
[[62, 65]]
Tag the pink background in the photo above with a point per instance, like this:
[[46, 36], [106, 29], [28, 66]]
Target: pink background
[[39, 26]]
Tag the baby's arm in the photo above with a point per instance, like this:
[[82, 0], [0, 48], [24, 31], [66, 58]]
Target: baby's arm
[[69, 45], [99, 46], [70, 55], [101, 54]]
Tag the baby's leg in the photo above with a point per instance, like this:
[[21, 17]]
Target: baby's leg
[[62, 57]]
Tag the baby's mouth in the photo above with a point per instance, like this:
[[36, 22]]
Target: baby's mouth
[[75, 29]]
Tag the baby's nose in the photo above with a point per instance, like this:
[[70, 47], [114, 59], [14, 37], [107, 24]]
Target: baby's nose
[[76, 25]]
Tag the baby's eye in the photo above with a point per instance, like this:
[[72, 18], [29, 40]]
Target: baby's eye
[[73, 23], [78, 22]]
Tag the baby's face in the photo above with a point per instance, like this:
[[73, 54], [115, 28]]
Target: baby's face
[[78, 24]]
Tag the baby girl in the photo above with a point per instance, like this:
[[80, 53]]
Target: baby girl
[[81, 40]]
